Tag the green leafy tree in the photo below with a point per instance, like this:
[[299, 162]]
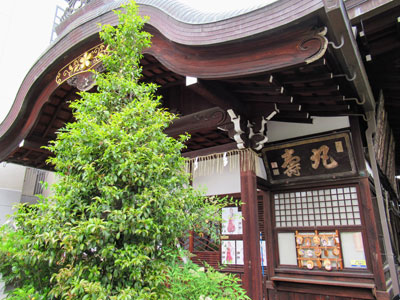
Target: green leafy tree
[[189, 281], [122, 200]]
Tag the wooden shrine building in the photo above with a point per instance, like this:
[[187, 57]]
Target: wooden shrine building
[[291, 107]]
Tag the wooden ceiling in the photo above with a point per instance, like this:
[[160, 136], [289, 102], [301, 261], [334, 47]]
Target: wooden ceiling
[[298, 94], [379, 43]]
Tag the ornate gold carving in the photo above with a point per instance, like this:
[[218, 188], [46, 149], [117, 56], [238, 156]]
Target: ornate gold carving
[[86, 80], [322, 154], [291, 163], [320, 36], [83, 63]]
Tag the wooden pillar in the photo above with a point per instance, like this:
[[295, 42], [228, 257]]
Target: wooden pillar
[[371, 223], [191, 242], [269, 237], [372, 234], [252, 278], [358, 146]]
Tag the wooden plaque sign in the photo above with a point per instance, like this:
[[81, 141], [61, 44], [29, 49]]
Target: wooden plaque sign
[[321, 157]]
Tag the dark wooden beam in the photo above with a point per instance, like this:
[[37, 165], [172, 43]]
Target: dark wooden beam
[[163, 76], [292, 119], [36, 145], [318, 63], [289, 107], [53, 118], [152, 66], [326, 108], [206, 119], [173, 83], [264, 80], [201, 139], [362, 38], [259, 89], [333, 113], [299, 78], [380, 23], [264, 185], [398, 27], [315, 89], [316, 99], [269, 99], [218, 95], [24, 156], [210, 150], [40, 162]]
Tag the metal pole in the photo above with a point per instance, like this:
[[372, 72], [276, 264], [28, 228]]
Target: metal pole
[[261, 253]]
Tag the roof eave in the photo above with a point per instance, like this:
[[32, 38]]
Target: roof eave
[[339, 29]]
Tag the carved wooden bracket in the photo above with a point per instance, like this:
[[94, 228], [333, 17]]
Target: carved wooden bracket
[[209, 118], [239, 132], [252, 134], [85, 81], [318, 36]]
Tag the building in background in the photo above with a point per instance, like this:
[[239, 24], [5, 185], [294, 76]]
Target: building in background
[[19, 184], [11, 185]]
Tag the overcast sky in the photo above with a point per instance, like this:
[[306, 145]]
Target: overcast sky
[[25, 31]]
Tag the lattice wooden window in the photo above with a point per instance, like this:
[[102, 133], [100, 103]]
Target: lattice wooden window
[[324, 207]]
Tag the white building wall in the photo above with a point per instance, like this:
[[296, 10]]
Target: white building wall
[[11, 184], [17, 184], [278, 131], [226, 182], [214, 181], [51, 179]]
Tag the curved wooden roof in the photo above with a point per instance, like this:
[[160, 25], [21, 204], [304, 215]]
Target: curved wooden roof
[[237, 54], [184, 25], [80, 33]]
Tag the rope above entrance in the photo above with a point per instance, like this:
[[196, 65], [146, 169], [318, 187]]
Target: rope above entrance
[[217, 163]]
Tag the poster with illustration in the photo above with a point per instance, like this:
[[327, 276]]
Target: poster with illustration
[[231, 221], [239, 253], [263, 250], [228, 252]]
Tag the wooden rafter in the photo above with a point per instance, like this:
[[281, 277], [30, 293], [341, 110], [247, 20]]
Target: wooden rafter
[[217, 95]]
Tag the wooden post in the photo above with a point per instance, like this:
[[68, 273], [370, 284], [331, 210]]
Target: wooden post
[[252, 278], [372, 234], [268, 225], [191, 242], [358, 146]]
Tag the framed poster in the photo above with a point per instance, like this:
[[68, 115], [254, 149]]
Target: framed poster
[[231, 221], [228, 252], [239, 253], [263, 250]]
